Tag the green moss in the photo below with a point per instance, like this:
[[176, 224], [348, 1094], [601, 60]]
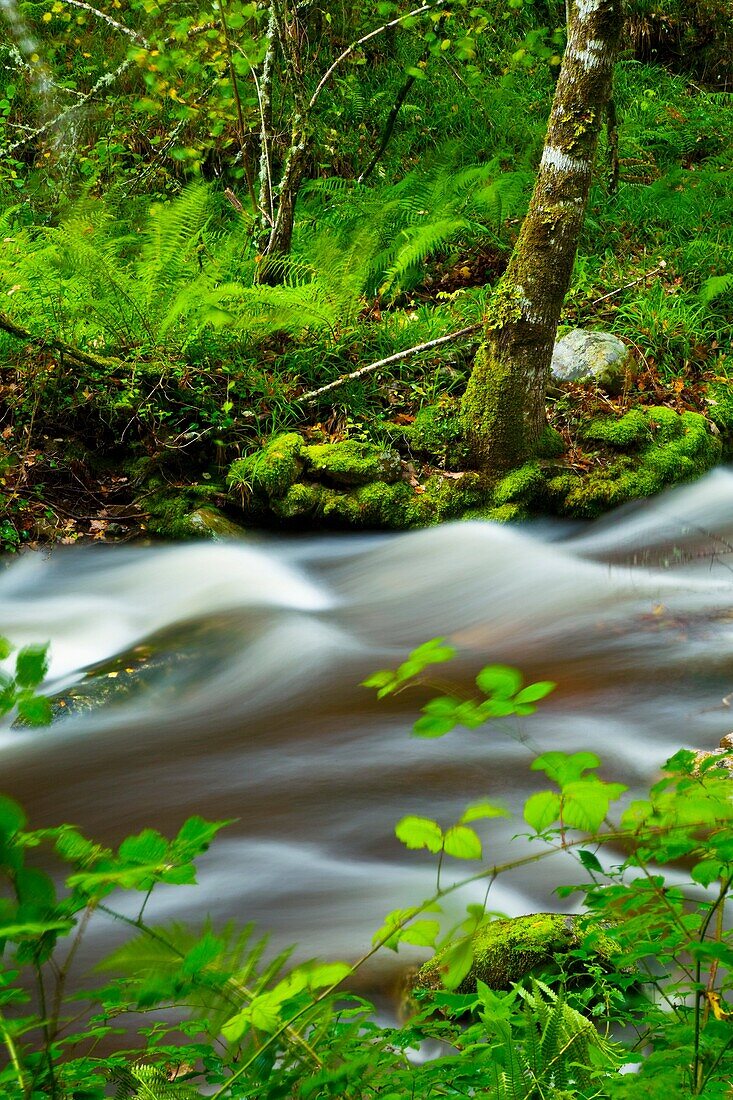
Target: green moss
[[437, 434], [302, 501], [271, 471], [394, 506], [506, 951], [505, 513], [521, 485], [619, 432], [171, 511], [352, 462], [678, 447], [551, 444], [720, 408], [666, 425], [492, 412]]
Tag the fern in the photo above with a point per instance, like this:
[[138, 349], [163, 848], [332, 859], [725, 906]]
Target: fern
[[144, 1082], [427, 213], [554, 1054]]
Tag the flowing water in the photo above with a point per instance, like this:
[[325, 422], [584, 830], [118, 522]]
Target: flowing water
[[257, 714]]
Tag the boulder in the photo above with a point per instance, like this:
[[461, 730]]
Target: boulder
[[600, 357], [210, 523], [506, 951]]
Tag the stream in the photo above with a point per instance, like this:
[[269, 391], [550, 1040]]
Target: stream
[[257, 714]]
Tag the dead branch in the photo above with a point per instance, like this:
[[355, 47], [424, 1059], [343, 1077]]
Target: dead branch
[[312, 394], [7, 324]]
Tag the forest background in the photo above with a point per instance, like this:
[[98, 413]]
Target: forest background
[[210, 212], [226, 230]]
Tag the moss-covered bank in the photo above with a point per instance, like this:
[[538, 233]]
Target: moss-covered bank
[[359, 484]]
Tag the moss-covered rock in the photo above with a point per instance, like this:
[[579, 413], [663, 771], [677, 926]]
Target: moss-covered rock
[[600, 357], [182, 512], [352, 463], [437, 434], [394, 506], [621, 432], [520, 486], [666, 447], [720, 410], [271, 471], [210, 523], [506, 951]]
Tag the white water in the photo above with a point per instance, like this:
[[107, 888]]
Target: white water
[[264, 720]]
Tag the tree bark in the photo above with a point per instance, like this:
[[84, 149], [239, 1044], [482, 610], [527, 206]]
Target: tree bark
[[504, 406]]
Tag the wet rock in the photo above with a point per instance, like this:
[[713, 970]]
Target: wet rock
[[212, 524], [584, 356], [723, 756]]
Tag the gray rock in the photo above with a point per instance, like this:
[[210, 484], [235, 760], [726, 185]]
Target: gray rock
[[583, 356], [210, 523]]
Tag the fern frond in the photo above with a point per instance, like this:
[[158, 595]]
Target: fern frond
[[145, 1082]]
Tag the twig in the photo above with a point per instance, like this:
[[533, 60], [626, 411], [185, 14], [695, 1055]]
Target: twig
[[134, 35], [360, 42], [312, 394], [106, 79], [634, 282]]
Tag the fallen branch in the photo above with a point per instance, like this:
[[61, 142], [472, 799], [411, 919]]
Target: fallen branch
[[634, 282], [312, 394], [8, 325]]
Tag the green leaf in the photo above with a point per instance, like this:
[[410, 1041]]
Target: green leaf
[[533, 692], [148, 847], [32, 929], [478, 810], [431, 726], [443, 706], [563, 767], [31, 665], [35, 888], [423, 933], [35, 710], [433, 652], [6, 648], [707, 871], [541, 810], [235, 1027], [500, 681], [201, 955], [195, 836], [590, 861], [419, 832], [586, 802], [462, 843], [456, 963], [379, 679], [12, 818], [321, 975]]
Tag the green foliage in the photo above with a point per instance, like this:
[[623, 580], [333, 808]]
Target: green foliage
[[525, 1006], [18, 692]]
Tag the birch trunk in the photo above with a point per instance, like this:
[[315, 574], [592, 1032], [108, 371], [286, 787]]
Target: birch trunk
[[504, 405]]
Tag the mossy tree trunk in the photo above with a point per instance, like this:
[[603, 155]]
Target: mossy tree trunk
[[504, 405]]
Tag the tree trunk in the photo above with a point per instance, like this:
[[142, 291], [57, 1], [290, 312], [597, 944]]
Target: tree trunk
[[504, 405]]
